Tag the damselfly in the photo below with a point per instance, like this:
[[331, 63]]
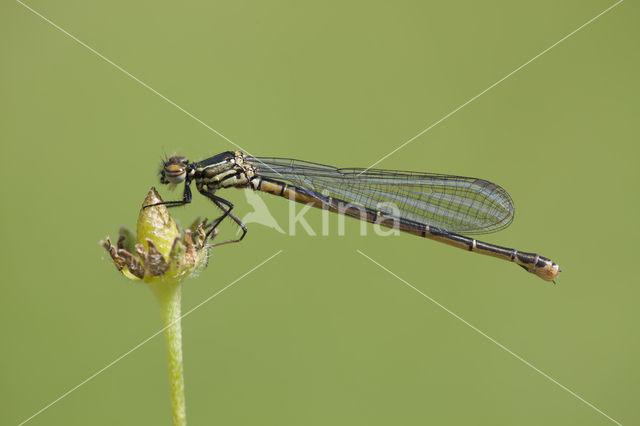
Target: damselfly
[[429, 205]]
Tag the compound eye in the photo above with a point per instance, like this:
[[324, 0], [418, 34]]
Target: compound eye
[[174, 173]]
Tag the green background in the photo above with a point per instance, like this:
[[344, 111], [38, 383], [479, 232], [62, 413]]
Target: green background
[[320, 335]]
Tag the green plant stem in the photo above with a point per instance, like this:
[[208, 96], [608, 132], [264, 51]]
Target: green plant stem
[[168, 293]]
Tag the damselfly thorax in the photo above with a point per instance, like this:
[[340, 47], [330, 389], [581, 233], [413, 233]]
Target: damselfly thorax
[[430, 205]]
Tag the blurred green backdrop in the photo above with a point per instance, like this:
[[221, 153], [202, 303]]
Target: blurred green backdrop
[[320, 335]]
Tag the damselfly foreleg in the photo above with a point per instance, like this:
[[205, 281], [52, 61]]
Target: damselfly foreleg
[[186, 199]]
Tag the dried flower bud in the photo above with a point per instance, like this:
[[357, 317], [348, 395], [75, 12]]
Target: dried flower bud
[[159, 251]]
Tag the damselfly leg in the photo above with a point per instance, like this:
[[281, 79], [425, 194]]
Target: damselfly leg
[[186, 199], [226, 206]]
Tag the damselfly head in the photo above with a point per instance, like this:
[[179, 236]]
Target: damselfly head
[[174, 170]]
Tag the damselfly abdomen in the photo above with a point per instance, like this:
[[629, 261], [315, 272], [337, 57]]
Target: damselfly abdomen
[[430, 205]]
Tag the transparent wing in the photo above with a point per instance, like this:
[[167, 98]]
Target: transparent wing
[[455, 203]]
